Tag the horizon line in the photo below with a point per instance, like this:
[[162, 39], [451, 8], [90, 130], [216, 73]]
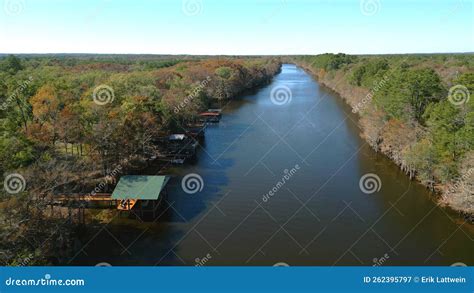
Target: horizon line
[[249, 55]]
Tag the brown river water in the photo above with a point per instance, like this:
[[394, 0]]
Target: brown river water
[[281, 184]]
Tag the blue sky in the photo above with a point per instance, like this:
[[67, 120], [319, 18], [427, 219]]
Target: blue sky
[[236, 27]]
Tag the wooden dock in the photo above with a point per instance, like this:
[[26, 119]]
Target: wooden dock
[[210, 117], [140, 193], [81, 197]]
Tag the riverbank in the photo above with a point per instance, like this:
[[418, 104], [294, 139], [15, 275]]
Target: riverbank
[[216, 90], [231, 205], [395, 138], [105, 117]]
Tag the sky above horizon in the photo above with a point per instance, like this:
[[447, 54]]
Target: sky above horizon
[[212, 27]]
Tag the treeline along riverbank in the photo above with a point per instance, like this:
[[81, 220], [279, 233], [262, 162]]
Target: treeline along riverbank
[[417, 110], [75, 124]]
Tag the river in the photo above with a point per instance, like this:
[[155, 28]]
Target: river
[[281, 185]]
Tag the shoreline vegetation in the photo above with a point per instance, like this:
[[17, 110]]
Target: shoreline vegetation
[[415, 109], [73, 124]]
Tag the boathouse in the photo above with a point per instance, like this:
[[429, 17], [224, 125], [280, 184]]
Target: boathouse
[[180, 146], [210, 117], [140, 195], [196, 130]]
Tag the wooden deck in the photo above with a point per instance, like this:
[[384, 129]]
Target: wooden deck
[[81, 197], [120, 204], [138, 194]]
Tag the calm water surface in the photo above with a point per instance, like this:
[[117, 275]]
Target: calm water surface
[[319, 216]]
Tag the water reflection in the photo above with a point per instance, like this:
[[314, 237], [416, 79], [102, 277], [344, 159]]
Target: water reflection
[[317, 217]]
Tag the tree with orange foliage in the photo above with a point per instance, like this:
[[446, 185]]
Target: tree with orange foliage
[[45, 107]]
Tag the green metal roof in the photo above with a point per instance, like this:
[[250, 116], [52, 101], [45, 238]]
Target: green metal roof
[[140, 187]]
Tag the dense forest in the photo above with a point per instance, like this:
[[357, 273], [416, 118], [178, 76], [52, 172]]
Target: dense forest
[[416, 109], [68, 122]]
